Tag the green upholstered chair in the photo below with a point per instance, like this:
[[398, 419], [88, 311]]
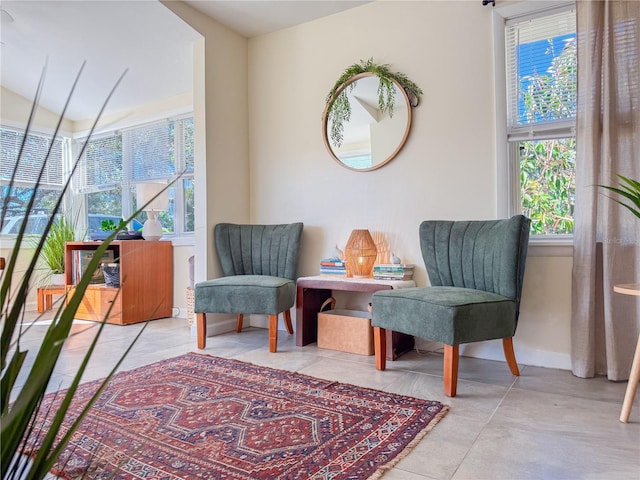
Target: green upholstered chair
[[476, 270], [259, 264]]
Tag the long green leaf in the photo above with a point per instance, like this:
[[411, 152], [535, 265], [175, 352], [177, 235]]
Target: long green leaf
[[17, 417], [17, 427], [629, 189]]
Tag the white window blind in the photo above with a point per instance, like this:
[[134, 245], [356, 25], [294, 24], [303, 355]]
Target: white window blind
[[541, 77], [150, 150], [101, 163], [187, 140], [33, 157]]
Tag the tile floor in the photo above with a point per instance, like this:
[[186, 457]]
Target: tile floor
[[545, 424]]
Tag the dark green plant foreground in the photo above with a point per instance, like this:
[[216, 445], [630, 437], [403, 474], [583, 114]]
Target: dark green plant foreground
[[21, 404]]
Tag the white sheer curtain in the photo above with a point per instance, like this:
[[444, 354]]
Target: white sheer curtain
[[605, 324]]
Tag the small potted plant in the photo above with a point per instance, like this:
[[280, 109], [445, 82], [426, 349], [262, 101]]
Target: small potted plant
[[107, 227], [53, 250]]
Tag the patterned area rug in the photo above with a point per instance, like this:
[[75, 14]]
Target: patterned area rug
[[203, 417]]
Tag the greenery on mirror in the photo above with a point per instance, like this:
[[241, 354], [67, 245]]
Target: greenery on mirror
[[340, 110], [547, 167], [629, 189], [24, 382]]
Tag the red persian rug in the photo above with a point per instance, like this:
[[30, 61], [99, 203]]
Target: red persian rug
[[203, 417]]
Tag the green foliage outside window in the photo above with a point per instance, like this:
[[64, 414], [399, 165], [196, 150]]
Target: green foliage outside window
[[547, 167], [547, 184]]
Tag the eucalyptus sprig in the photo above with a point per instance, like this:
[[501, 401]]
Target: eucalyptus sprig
[[629, 189], [340, 110]]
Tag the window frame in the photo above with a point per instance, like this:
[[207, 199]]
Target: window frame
[[507, 154], [127, 184], [74, 201], [62, 169]]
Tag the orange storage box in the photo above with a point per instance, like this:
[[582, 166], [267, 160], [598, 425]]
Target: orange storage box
[[346, 330]]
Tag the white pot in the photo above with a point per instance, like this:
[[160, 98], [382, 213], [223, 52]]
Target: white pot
[[57, 279]]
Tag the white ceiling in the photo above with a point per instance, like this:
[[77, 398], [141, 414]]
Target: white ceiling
[[142, 36], [251, 18]]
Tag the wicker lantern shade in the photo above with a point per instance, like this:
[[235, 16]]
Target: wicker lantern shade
[[361, 253]]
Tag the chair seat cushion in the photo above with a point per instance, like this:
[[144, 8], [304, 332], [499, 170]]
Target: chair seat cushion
[[260, 294], [451, 315]]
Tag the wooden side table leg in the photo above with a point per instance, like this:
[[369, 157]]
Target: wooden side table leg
[[632, 386], [41, 300], [48, 301]]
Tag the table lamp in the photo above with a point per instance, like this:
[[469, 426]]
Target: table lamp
[[152, 229], [361, 253]]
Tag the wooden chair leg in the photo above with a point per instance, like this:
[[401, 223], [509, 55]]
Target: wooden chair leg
[[287, 321], [239, 319], [380, 347], [451, 355], [509, 354], [273, 333], [201, 327]]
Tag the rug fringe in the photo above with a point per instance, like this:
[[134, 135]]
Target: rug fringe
[[410, 446]]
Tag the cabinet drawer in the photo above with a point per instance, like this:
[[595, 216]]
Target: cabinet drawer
[[96, 303]]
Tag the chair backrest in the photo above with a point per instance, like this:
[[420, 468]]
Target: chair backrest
[[484, 255], [258, 249]]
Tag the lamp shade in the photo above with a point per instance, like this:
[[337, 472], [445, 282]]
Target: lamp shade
[[152, 228], [361, 254], [146, 191]]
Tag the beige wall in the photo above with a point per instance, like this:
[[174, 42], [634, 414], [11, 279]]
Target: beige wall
[[260, 155], [447, 170], [221, 136], [15, 109]]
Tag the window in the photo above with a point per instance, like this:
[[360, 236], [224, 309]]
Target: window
[[26, 175], [113, 164], [541, 100]]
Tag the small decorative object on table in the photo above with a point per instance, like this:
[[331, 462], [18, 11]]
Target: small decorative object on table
[[394, 259], [153, 198]]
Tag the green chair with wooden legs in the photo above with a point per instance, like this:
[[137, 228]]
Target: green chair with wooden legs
[[259, 263], [476, 270]]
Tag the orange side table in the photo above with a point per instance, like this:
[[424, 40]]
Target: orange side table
[[634, 376], [45, 296]]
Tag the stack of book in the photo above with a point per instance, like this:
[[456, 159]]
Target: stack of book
[[333, 267], [392, 271]]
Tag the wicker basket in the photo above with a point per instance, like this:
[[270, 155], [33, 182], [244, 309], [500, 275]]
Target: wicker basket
[[190, 302], [111, 273]]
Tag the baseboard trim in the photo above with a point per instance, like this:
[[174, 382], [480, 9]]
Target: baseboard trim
[[492, 350]]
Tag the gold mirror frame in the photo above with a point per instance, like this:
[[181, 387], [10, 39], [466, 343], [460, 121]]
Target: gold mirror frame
[[401, 139]]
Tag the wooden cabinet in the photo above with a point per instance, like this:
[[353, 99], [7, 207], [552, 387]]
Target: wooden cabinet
[[146, 282]]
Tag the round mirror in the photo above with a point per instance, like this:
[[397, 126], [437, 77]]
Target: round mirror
[[359, 135]]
